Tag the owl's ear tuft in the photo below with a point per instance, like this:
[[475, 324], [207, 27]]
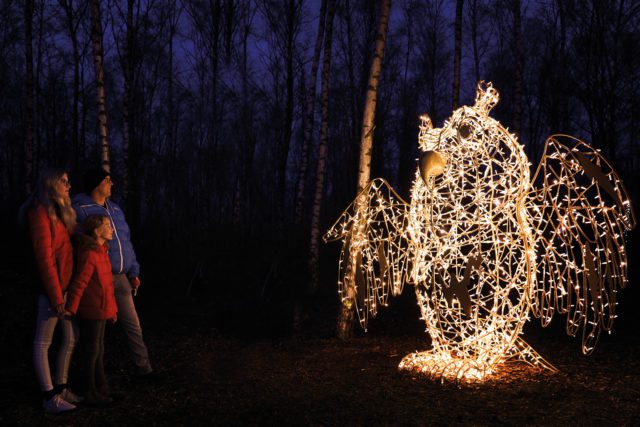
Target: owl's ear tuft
[[486, 97], [425, 123], [425, 126]]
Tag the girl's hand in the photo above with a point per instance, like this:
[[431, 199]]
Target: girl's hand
[[114, 319], [60, 310]]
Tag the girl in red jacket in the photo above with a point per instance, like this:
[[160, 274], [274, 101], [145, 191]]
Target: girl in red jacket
[[51, 221], [91, 297]]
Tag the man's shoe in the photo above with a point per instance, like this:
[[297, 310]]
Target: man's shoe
[[57, 405], [70, 396]]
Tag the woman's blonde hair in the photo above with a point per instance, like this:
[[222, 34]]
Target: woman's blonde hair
[[58, 208]]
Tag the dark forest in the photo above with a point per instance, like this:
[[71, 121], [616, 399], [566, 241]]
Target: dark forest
[[233, 131]]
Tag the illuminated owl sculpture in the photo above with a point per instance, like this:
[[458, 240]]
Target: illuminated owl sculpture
[[485, 244]]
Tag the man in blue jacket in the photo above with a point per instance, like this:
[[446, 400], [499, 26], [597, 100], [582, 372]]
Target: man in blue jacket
[[125, 267]]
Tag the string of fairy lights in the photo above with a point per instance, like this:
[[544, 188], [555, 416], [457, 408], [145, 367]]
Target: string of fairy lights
[[581, 213], [484, 247]]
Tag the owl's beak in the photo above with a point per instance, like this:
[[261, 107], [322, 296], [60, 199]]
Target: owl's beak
[[431, 164]]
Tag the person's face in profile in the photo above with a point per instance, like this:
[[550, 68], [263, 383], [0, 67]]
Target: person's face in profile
[[62, 186], [105, 231], [105, 187]]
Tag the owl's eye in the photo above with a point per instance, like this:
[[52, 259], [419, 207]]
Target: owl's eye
[[464, 131]]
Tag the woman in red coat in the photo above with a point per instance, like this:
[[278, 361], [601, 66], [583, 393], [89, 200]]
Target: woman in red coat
[[51, 221], [92, 299]]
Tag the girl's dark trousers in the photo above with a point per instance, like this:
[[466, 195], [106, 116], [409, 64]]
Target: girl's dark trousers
[[91, 356]]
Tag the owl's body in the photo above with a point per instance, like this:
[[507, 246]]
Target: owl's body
[[464, 273], [469, 240]]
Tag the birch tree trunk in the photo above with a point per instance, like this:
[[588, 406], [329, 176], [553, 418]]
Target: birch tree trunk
[[314, 258], [366, 139], [309, 119], [96, 39], [457, 54], [29, 97], [346, 317]]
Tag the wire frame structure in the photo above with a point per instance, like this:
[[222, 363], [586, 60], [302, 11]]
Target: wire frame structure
[[485, 244]]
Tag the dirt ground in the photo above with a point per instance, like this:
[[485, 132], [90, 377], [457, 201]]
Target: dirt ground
[[214, 375]]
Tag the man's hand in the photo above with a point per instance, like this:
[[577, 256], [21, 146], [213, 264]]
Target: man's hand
[[135, 284]]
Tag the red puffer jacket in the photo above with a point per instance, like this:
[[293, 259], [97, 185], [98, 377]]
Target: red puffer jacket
[[53, 253], [91, 294]]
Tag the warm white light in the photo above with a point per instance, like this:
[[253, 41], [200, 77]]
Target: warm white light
[[485, 244]]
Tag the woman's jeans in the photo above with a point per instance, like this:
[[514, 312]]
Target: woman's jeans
[[91, 356], [45, 325]]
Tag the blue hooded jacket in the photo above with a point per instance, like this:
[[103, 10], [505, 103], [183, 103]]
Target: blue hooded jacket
[[121, 253]]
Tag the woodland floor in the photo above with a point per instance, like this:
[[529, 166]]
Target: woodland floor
[[214, 374]]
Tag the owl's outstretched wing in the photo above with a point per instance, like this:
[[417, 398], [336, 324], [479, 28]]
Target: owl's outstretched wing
[[581, 213], [373, 261]]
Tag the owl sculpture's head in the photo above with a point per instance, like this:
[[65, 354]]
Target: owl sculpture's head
[[468, 131], [472, 149]]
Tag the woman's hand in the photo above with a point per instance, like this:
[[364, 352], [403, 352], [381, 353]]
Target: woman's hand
[[114, 319]]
